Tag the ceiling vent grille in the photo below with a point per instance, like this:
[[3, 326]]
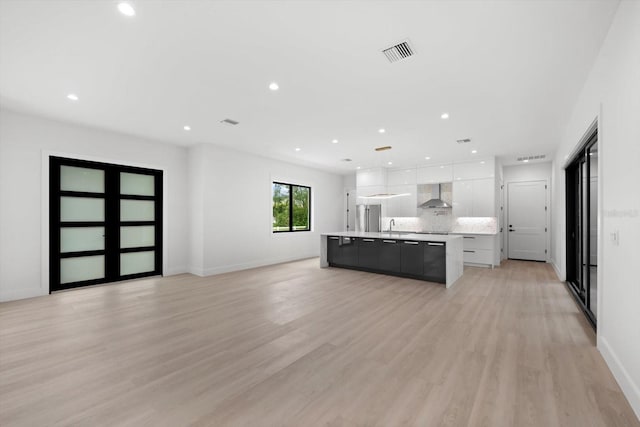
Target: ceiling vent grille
[[229, 122], [538, 157], [347, 160], [463, 141], [399, 52]]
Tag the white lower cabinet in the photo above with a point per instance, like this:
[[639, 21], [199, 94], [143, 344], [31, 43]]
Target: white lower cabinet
[[479, 249]]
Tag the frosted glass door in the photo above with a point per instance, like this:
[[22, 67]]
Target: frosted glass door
[[106, 222], [138, 224]]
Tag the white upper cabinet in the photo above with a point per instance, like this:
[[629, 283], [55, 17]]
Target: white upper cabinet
[[434, 174], [405, 204], [474, 197], [370, 177], [401, 176], [462, 198], [474, 170]]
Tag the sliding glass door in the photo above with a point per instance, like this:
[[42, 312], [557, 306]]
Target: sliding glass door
[[105, 223], [582, 227]]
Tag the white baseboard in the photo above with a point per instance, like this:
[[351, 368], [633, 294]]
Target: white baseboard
[[21, 294], [253, 264], [628, 386], [557, 270], [175, 271]]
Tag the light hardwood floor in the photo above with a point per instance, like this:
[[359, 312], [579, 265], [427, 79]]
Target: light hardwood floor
[[295, 345]]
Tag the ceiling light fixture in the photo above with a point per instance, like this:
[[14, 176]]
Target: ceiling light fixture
[[474, 151], [274, 86], [389, 163], [358, 167], [427, 158], [126, 9], [526, 160], [444, 116], [335, 141], [73, 97], [187, 128], [381, 130], [482, 162], [298, 149]]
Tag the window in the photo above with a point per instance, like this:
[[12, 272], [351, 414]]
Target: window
[[291, 207]]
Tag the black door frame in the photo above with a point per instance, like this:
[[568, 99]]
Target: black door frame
[[577, 246], [111, 222]]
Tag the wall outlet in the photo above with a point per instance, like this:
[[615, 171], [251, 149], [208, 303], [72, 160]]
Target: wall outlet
[[615, 238]]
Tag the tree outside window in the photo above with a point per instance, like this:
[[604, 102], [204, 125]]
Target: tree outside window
[[291, 207]]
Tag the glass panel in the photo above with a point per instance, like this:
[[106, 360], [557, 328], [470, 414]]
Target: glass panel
[[134, 237], [280, 193], [137, 210], [593, 229], [81, 268], [78, 239], [584, 230], [301, 196], [137, 262], [137, 184], [81, 179], [81, 209]]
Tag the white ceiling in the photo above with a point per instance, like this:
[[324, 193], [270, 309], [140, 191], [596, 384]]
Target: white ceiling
[[507, 72]]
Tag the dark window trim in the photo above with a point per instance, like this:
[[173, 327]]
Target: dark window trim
[[291, 230]]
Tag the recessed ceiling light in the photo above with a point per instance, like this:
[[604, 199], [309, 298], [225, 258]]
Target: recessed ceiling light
[[358, 167], [187, 128], [126, 9], [482, 162], [389, 163], [274, 86], [73, 97], [298, 149], [474, 151], [427, 158], [441, 167], [526, 160], [335, 141], [444, 116], [381, 130]]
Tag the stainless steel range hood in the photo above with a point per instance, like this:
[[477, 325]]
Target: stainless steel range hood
[[435, 201]]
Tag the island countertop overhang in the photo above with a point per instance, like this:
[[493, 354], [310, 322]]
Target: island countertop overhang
[[398, 236]]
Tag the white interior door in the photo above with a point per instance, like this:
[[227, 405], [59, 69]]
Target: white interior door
[[527, 220]]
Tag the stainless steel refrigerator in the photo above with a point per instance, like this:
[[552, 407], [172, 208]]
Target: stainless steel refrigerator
[[368, 217]]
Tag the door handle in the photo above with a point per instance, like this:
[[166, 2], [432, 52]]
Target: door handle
[[388, 241], [368, 240], [511, 229], [435, 244], [411, 243]]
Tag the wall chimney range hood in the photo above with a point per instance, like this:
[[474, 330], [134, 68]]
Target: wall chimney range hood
[[435, 201]]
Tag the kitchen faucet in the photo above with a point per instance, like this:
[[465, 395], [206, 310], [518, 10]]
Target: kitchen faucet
[[391, 223]]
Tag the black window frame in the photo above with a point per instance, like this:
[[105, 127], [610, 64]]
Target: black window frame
[[291, 230]]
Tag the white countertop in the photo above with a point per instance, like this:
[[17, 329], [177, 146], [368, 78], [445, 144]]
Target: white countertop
[[399, 236], [473, 233]]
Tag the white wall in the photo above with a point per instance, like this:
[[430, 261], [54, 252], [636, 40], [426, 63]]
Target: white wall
[[612, 96], [25, 142], [238, 210]]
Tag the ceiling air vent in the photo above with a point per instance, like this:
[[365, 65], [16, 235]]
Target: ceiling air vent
[[347, 160], [527, 158], [229, 122], [463, 141], [399, 52]]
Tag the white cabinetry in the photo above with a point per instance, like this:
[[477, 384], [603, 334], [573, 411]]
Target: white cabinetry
[[474, 170], [478, 249], [435, 174], [371, 177], [474, 197], [406, 204], [401, 177]]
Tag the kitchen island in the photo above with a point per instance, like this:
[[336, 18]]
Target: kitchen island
[[430, 257]]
